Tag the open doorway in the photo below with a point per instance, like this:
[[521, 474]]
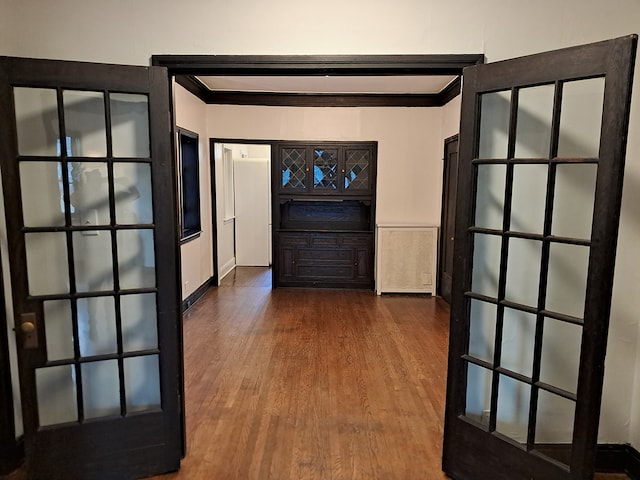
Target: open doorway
[[241, 187]]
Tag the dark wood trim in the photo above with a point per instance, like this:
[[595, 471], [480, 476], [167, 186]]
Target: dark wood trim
[[11, 449], [618, 458], [442, 233], [188, 302], [277, 65], [186, 67], [451, 91], [178, 273], [279, 99], [194, 86]]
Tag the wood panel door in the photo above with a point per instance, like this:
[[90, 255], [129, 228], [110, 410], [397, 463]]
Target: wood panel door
[[88, 182], [448, 221], [542, 149]]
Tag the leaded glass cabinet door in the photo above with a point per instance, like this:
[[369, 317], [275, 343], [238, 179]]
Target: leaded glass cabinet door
[[542, 147], [88, 186], [294, 169]]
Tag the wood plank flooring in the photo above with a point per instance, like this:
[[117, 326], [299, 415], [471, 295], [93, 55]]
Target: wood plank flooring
[[313, 384]]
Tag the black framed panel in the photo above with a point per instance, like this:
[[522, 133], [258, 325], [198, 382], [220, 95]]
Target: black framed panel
[[489, 446], [106, 191]]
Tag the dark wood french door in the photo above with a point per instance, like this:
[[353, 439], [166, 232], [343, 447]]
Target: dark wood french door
[[542, 148], [88, 185], [448, 221]]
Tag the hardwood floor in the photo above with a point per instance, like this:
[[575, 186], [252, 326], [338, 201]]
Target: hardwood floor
[[316, 384], [313, 384]]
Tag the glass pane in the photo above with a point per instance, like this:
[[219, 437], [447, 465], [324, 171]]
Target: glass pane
[[512, 414], [478, 405], [533, 131], [56, 387], [581, 118], [37, 121], [89, 186], [486, 264], [554, 426], [325, 169], [85, 123], [573, 202], [294, 168], [356, 175], [490, 196], [142, 383], [133, 193], [42, 194], [101, 389], [129, 125], [136, 259], [47, 266], [97, 326], [92, 260], [494, 125], [561, 345], [523, 271], [139, 322], [528, 198], [567, 280], [482, 330], [58, 325], [518, 338]]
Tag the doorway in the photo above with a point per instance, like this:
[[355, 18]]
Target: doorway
[[241, 187], [448, 221]]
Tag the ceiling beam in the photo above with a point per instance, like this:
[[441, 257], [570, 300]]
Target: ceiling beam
[[335, 65], [186, 67]]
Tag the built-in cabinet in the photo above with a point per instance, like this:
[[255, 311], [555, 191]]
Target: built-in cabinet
[[324, 212]]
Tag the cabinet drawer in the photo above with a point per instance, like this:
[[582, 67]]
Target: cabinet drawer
[[328, 272], [323, 255], [359, 240], [292, 239], [324, 240]]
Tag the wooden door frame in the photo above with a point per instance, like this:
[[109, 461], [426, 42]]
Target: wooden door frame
[[441, 236], [185, 68], [11, 448], [214, 212]]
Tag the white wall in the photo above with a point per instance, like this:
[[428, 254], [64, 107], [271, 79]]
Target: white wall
[[196, 254], [498, 28], [409, 147]]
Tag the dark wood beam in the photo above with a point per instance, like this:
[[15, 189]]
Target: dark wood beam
[[289, 65]]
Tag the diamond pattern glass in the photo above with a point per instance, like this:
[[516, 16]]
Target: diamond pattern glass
[[293, 168], [356, 175], [325, 169]]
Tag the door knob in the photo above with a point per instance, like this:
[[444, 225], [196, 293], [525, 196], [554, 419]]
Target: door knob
[[29, 330], [28, 327]]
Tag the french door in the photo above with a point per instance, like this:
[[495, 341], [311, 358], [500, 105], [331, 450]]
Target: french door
[[542, 147], [90, 210]]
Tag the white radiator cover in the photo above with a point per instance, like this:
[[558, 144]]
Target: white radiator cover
[[406, 258]]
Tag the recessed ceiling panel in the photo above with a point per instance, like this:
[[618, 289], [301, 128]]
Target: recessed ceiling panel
[[409, 84]]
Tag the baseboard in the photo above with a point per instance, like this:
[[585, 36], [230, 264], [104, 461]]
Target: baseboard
[[11, 457], [200, 291], [227, 268], [618, 458]]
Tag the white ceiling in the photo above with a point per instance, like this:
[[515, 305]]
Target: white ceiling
[[396, 84]]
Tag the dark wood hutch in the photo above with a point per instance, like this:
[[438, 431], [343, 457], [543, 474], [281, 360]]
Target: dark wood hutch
[[324, 214]]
